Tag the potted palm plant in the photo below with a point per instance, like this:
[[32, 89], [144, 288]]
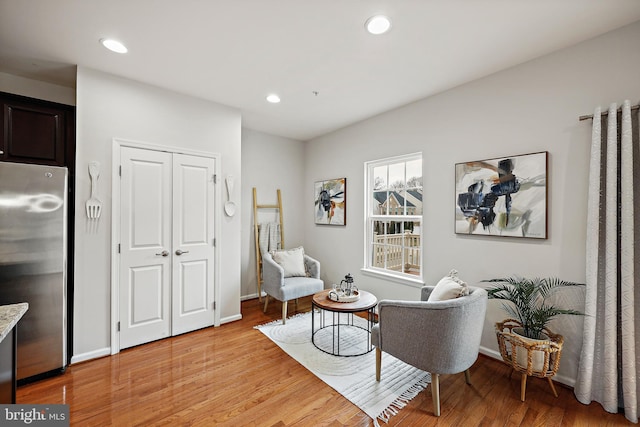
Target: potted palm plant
[[526, 301]]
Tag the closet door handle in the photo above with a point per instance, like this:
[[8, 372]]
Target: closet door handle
[[180, 252], [164, 253]]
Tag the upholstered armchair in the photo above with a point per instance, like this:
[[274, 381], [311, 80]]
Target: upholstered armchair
[[439, 337], [286, 281]]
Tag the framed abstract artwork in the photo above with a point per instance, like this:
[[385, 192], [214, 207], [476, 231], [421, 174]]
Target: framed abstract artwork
[[331, 202], [503, 197]]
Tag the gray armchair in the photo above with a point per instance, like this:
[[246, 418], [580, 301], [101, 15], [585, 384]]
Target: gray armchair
[[439, 337], [286, 289]]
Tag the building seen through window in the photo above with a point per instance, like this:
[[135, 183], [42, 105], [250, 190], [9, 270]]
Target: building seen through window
[[394, 216]]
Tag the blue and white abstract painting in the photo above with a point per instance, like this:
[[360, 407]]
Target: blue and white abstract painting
[[503, 196]]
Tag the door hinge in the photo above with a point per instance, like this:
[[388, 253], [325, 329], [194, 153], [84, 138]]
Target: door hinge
[[214, 305], [118, 247], [118, 326], [215, 178], [120, 170], [213, 242]]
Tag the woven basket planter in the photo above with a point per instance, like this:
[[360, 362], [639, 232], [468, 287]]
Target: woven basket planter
[[542, 358]]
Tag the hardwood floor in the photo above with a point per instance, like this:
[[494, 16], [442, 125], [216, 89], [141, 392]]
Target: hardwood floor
[[235, 376]]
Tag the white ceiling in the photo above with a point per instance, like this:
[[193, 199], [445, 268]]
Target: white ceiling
[[235, 52]]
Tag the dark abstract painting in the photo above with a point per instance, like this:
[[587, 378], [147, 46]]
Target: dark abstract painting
[[503, 197], [331, 202]]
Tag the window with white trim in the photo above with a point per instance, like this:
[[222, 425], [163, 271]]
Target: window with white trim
[[394, 216]]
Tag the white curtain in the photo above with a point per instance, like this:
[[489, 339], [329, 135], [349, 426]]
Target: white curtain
[[610, 358]]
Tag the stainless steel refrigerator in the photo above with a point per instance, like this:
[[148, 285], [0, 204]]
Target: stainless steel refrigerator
[[33, 259]]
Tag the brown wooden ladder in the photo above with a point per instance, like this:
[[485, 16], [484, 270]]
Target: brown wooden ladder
[[256, 207]]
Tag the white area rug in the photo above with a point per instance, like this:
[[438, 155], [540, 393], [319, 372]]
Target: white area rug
[[353, 377]]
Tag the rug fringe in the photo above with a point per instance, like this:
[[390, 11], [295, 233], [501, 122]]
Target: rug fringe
[[402, 400]]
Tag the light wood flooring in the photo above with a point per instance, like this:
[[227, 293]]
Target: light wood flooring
[[235, 376]]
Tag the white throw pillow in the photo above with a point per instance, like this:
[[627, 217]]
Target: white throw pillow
[[449, 287], [291, 260]]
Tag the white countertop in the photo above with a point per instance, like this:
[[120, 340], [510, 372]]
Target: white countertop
[[9, 316]]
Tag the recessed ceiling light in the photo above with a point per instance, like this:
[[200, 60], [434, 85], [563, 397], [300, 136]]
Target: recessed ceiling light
[[114, 45], [273, 98], [378, 24]]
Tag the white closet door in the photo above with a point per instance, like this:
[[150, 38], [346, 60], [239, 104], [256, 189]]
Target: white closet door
[[145, 245], [167, 244], [193, 246]]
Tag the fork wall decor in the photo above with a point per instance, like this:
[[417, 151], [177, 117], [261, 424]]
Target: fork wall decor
[[94, 205]]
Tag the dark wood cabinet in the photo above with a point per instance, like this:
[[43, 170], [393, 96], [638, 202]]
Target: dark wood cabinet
[[35, 131]]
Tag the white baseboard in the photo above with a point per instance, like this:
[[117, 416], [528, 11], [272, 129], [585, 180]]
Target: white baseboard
[[95, 354], [230, 319], [563, 379], [568, 381], [491, 353], [251, 296]]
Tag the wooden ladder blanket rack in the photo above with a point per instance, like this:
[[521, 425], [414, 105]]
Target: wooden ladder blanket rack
[[256, 231]]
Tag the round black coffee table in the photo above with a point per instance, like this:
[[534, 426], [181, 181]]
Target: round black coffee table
[[341, 318]]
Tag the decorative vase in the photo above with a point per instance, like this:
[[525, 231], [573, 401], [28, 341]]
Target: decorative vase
[[537, 356]]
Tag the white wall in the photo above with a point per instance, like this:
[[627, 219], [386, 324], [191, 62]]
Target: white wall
[[37, 89], [529, 108], [108, 107], [270, 163]]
